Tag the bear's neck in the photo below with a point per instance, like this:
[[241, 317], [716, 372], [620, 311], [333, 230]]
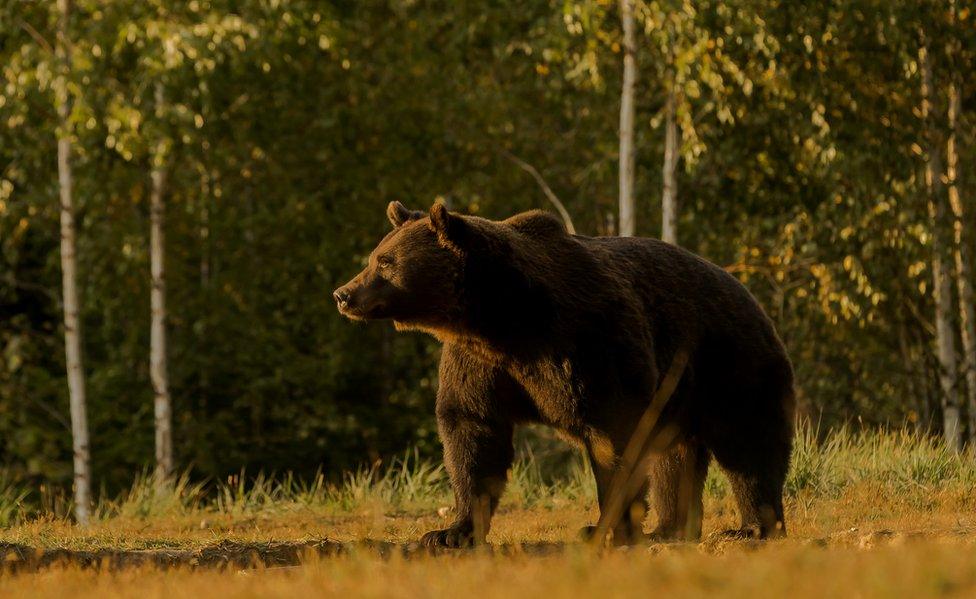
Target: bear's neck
[[507, 312]]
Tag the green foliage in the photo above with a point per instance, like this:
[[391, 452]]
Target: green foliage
[[12, 500], [288, 126]]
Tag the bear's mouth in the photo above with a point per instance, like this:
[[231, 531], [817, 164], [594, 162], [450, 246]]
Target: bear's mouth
[[351, 314], [363, 314]]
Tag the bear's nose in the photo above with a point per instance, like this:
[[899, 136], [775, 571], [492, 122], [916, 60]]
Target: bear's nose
[[341, 297]]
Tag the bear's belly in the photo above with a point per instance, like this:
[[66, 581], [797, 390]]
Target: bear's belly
[[552, 392]]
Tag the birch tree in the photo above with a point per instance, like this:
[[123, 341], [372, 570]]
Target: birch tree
[[962, 251], [695, 77], [162, 407], [69, 276], [627, 223], [963, 261], [669, 190], [669, 167], [941, 281]]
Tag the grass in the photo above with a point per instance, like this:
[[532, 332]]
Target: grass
[[870, 513], [918, 571], [905, 467]]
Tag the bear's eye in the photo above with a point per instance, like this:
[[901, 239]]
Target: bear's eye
[[384, 261]]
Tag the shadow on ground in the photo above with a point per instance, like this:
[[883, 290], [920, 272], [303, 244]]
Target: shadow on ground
[[231, 554], [17, 558]]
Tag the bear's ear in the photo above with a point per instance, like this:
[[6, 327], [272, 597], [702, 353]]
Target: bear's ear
[[450, 228], [399, 214]]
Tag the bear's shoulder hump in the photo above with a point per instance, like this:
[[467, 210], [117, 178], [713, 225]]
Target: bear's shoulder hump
[[537, 223]]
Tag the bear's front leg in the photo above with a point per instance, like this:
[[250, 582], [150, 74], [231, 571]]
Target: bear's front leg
[[476, 425], [477, 456]]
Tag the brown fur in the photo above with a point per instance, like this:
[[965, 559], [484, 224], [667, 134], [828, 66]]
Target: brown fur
[[574, 332]]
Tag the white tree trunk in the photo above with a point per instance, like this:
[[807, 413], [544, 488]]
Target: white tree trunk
[[964, 260], [157, 342], [69, 278], [627, 225], [669, 193], [941, 280]]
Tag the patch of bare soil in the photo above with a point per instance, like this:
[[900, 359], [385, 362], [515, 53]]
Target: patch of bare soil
[[232, 555]]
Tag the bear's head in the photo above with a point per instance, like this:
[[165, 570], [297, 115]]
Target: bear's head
[[449, 274], [413, 273]]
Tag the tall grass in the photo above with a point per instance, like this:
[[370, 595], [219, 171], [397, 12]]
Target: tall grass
[[146, 498], [898, 461], [13, 497], [894, 463]]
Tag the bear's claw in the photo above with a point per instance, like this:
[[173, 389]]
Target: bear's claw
[[455, 537]]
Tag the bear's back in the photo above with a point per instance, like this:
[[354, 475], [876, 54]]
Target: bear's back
[[681, 290]]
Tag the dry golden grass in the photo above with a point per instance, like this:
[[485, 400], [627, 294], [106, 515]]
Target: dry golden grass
[[873, 515], [924, 569], [861, 543]]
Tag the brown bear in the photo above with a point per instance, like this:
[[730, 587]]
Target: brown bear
[[577, 333]]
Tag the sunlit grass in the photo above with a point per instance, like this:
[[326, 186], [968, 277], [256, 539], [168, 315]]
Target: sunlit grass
[[905, 466], [840, 480]]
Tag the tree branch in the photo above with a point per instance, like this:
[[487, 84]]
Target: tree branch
[[37, 36], [13, 282], [545, 189]]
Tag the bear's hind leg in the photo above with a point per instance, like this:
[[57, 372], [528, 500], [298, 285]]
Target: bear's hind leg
[[630, 529], [760, 501], [677, 482], [757, 473]]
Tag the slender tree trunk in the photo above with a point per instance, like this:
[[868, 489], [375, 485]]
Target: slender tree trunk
[[204, 229], [669, 193], [933, 382], [964, 261], [251, 295], [209, 183], [69, 276], [162, 406], [627, 225], [202, 329], [915, 398], [942, 283]]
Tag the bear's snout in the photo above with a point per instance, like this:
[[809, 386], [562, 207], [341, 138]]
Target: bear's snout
[[341, 297], [356, 301]]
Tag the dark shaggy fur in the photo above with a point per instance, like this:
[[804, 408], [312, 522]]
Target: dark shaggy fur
[[576, 333]]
